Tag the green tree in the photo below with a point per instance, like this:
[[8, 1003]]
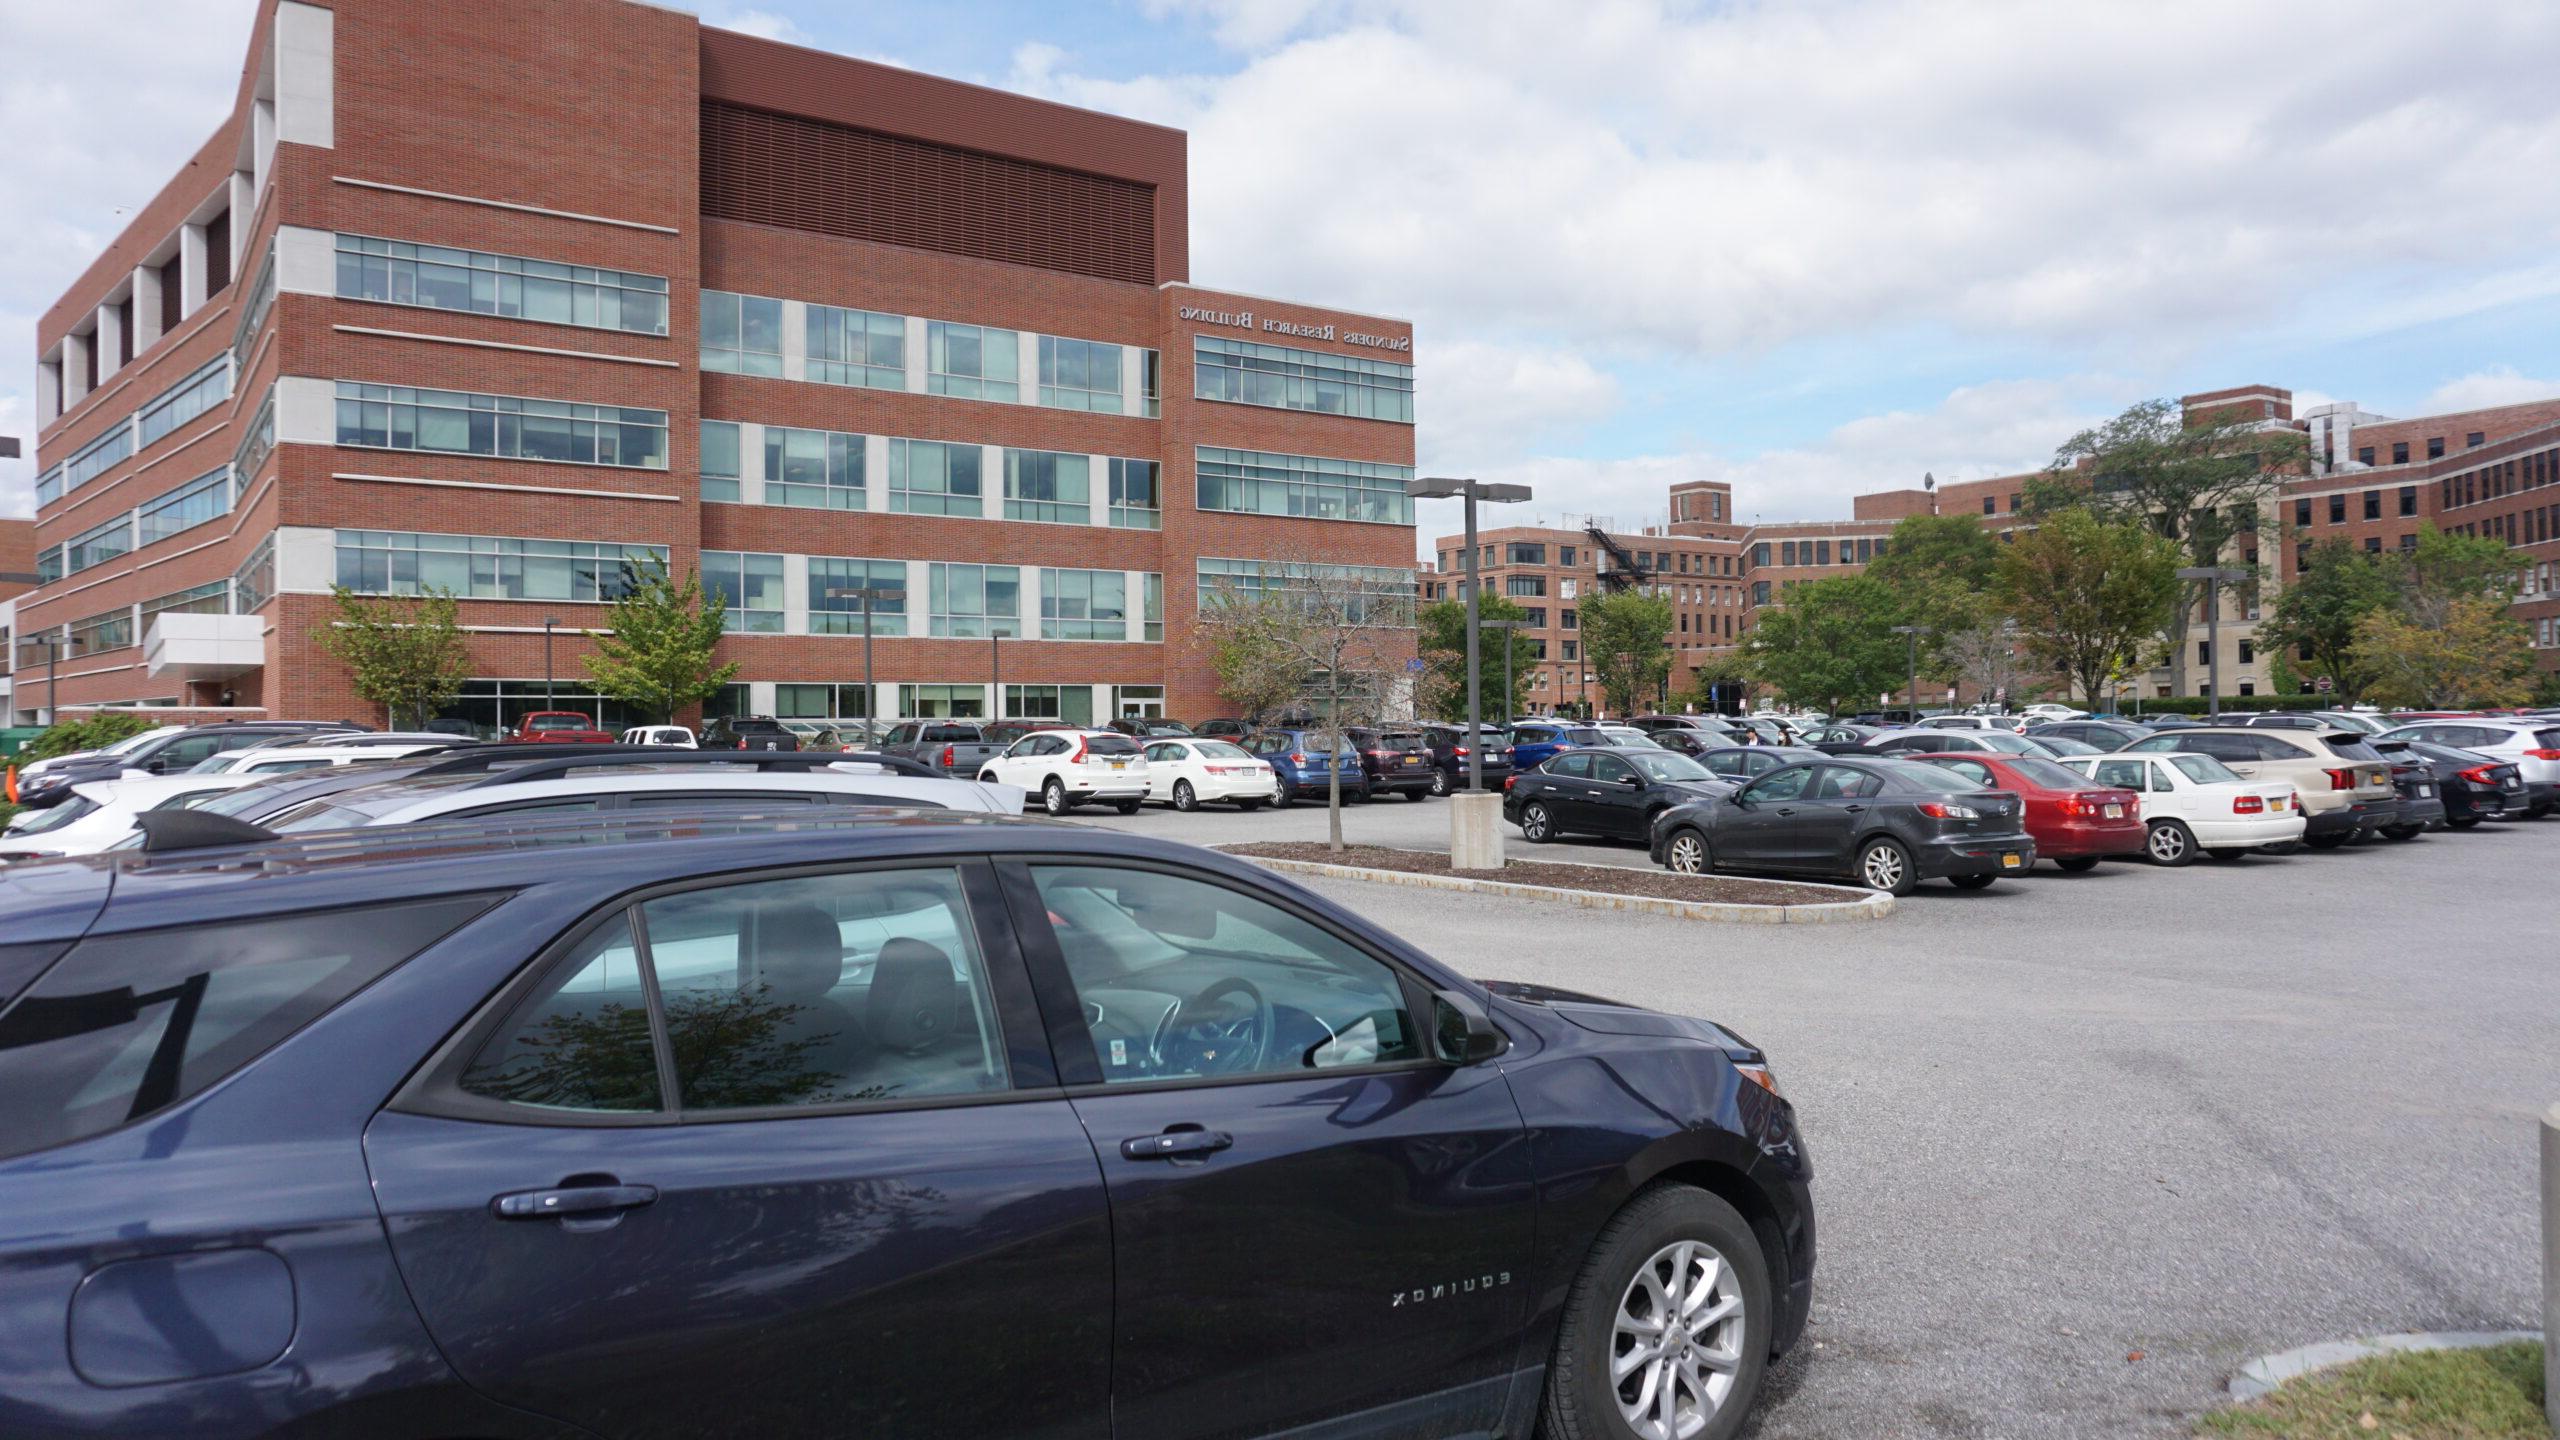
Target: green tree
[[1731, 667], [1831, 644], [1248, 644], [2446, 568], [2477, 658], [2090, 595], [2199, 485], [406, 653], [2335, 587], [658, 656], [1443, 690], [1942, 571], [95, 732], [1626, 641]]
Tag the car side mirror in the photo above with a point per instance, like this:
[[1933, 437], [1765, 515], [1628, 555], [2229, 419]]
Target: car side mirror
[[158, 766], [1632, 782], [1461, 1031]]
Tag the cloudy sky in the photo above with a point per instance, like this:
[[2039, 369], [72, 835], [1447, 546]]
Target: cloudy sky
[[1812, 248]]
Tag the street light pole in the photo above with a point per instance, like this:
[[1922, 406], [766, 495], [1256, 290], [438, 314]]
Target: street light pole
[[1912, 664], [548, 700], [995, 673], [865, 596], [1434, 487], [2212, 576], [52, 697]]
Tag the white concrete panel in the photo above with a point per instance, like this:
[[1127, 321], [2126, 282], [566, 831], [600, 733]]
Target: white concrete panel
[[1027, 365], [1133, 380], [795, 595], [306, 560], [244, 204], [875, 473], [306, 411], [146, 307], [48, 391], [760, 697], [915, 354], [306, 261], [750, 463], [75, 369], [191, 270], [1136, 627], [1098, 492], [306, 74], [262, 143], [795, 340], [111, 356]]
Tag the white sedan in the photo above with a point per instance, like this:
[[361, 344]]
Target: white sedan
[[1067, 768], [94, 816], [2195, 802], [1187, 774]]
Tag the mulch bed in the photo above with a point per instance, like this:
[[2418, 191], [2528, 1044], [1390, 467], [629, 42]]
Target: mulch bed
[[1601, 879]]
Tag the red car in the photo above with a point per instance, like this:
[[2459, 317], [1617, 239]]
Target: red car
[[563, 727], [2074, 822]]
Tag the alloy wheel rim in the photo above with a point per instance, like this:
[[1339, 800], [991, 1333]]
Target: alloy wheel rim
[[1688, 855], [2167, 844], [1183, 798], [1676, 1342], [1884, 867], [1536, 829], [1055, 798]]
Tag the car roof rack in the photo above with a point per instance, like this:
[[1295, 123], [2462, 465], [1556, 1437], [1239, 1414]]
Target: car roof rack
[[555, 763]]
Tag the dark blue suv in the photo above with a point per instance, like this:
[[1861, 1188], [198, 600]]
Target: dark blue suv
[[879, 1123]]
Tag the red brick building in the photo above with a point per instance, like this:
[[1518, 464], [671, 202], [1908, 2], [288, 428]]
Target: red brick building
[[518, 299]]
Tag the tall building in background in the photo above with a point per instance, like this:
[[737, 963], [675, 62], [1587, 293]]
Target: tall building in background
[[515, 299]]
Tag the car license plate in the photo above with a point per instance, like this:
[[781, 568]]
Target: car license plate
[[2115, 812], [2009, 861], [2426, 791], [1119, 764], [2514, 783], [1413, 759]]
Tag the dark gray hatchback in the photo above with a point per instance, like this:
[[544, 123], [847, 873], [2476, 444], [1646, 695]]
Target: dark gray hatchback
[[1885, 824]]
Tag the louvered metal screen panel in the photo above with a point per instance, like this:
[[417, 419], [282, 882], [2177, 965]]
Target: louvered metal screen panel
[[838, 180]]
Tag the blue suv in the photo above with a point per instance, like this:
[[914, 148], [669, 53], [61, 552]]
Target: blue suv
[[1296, 758], [877, 1123]]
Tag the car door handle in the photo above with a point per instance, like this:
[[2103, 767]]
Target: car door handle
[[571, 1200], [1854, 809], [1175, 1143], [1786, 810]]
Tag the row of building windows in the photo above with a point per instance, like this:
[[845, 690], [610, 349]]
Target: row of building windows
[[439, 277], [510, 427], [1257, 482], [1857, 551], [253, 313], [1382, 592], [827, 469], [2494, 482], [744, 335], [961, 601], [207, 497], [2435, 448], [492, 567], [1247, 373], [2372, 506], [117, 629], [185, 400], [1065, 704]]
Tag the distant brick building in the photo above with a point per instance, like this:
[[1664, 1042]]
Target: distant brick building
[[510, 299]]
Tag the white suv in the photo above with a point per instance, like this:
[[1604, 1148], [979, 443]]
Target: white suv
[[1067, 768], [2532, 746]]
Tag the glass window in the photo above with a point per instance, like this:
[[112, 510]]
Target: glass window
[[440, 277], [975, 600], [110, 631], [97, 545], [1255, 482], [741, 334], [1153, 619], [1184, 979], [211, 598], [2203, 769], [511, 427], [1080, 375], [97, 457], [934, 477], [1289, 379], [1150, 385], [857, 347], [749, 586], [254, 583], [128, 1025], [488, 567], [824, 990], [817, 468], [1389, 588], [1784, 784], [720, 460], [186, 400], [2124, 774], [207, 497], [1049, 486], [943, 702], [1137, 500], [973, 362], [1084, 605], [253, 312], [839, 589], [580, 1042]]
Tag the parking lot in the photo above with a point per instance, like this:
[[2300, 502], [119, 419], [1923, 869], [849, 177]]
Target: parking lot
[[2085, 1143]]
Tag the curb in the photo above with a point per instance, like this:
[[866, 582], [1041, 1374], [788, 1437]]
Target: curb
[[1871, 905], [2261, 1376]]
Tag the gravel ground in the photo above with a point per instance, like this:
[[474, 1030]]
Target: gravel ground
[[2198, 1115]]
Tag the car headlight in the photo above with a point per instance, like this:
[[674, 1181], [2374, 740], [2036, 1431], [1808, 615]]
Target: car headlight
[[1760, 1075]]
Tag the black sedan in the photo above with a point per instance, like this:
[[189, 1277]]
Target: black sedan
[[1606, 792], [1739, 763], [2475, 787], [1886, 824], [1846, 739]]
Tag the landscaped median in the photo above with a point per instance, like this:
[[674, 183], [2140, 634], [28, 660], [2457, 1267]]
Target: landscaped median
[[1600, 887], [2468, 1392]]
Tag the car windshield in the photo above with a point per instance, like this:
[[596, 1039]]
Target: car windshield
[[59, 816], [1926, 775], [562, 722], [1109, 743], [2203, 769], [1586, 737], [2047, 774], [1669, 765], [2006, 743], [1219, 750], [2350, 747], [2065, 745], [131, 743]]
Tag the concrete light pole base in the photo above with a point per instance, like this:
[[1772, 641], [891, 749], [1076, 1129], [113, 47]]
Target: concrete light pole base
[[1475, 830]]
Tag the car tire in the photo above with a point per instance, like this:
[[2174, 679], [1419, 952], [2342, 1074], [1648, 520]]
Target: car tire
[[1249, 805], [1439, 781], [1538, 824], [1665, 1228], [1185, 799], [1413, 795], [2403, 832], [2078, 864], [1281, 794], [2461, 822], [1884, 865], [1053, 797], [2170, 843], [2227, 855], [1686, 853], [1126, 807], [1971, 882], [2330, 841]]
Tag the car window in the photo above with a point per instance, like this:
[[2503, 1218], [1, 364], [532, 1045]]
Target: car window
[[1724, 762], [128, 1025], [1180, 978], [1838, 782], [1021, 748], [2154, 744], [1213, 750], [2045, 773], [1610, 770], [1667, 766], [1586, 737], [1573, 764], [581, 1041], [2123, 775], [1975, 771], [1163, 754], [1108, 744], [2350, 746], [2203, 769], [1784, 784]]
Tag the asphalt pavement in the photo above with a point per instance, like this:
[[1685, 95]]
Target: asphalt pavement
[[2084, 1144]]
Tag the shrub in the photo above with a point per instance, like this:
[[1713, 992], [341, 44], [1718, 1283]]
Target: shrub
[[67, 737]]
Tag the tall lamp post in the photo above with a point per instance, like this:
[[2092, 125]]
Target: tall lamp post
[[2214, 577], [52, 643], [1507, 692], [1911, 665], [867, 597], [1444, 487], [548, 621]]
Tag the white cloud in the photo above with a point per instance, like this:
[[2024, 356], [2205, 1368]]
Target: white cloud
[[763, 24], [1480, 398], [2497, 385]]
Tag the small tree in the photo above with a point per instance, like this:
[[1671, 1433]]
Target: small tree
[[95, 732], [2336, 587], [1984, 656], [1626, 640], [1443, 641], [1346, 638], [2478, 658], [2445, 569], [658, 656], [2090, 595], [406, 653], [1831, 644]]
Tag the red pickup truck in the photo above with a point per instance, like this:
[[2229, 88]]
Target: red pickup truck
[[565, 726]]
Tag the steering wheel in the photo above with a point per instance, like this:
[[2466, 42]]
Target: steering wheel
[[1223, 1030]]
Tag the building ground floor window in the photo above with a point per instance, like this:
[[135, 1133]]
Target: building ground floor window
[[490, 706], [1059, 704]]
